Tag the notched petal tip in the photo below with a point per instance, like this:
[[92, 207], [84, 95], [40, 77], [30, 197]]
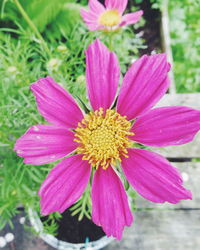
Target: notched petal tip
[[64, 185], [41, 80], [189, 195], [55, 104], [28, 162], [84, 13], [143, 86], [169, 67], [120, 5], [45, 143], [102, 74], [166, 126], [44, 213], [131, 18], [154, 177], [110, 208], [96, 44], [141, 12]]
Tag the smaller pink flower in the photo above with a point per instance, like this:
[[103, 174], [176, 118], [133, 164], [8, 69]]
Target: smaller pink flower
[[109, 17]]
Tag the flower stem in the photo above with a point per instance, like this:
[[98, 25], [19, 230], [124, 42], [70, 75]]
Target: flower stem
[[32, 26], [110, 44]]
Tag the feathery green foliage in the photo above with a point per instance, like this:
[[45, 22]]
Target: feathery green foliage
[[184, 25]]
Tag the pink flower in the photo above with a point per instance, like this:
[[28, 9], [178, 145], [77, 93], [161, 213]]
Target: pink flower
[[107, 136], [109, 17]]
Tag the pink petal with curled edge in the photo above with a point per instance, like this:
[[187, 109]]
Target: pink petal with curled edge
[[131, 18], [143, 85], [120, 5], [102, 73], [166, 126], [64, 185], [45, 143], [153, 177], [110, 208], [55, 104]]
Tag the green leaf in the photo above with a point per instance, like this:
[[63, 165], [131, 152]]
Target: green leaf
[[67, 19], [42, 12]]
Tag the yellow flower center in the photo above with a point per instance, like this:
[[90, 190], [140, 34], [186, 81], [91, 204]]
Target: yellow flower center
[[110, 18], [103, 137]]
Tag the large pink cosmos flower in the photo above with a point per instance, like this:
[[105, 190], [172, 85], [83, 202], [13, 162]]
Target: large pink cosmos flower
[[107, 136], [109, 17]]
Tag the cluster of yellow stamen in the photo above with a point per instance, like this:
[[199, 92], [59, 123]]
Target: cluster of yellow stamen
[[103, 137], [110, 18]]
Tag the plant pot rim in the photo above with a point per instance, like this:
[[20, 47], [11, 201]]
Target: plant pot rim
[[63, 245]]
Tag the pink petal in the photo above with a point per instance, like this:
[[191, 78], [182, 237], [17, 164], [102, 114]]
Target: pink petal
[[110, 208], [96, 7], [120, 5], [143, 85], [153, 177], [55, 104], [90, 19], [64, 185], [45, 143], [166, 126], [131, 18], [103, 73]]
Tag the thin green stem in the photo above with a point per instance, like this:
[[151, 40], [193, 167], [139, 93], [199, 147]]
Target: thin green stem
[[32, 26], [110, 44]]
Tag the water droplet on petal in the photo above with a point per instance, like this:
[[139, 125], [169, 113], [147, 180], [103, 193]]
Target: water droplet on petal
[[2, 242], [9, 237], [35, 128], [22, 220], [185, 176]]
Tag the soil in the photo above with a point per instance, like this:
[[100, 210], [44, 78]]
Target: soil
[[151, 30], [74, 231]]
